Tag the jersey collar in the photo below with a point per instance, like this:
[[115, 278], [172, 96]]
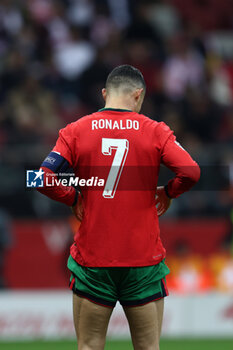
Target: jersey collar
[[114, 109]]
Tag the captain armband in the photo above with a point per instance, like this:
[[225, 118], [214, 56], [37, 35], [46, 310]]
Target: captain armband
[[55, 162]]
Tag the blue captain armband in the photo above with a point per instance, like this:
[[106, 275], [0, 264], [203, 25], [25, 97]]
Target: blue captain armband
[[55, 162]]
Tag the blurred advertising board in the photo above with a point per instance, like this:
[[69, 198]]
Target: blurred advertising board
[[48, 315], [40, 248]]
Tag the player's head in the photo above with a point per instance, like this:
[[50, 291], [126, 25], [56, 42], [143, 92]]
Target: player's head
[[126, 82]]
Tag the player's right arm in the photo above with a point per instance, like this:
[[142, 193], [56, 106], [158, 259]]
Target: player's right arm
[[177, 159], [180, 162]]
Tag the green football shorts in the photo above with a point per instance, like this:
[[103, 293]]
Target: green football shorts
[[132, 286]]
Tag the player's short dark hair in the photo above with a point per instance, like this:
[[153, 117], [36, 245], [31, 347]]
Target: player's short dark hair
[[127, 76]]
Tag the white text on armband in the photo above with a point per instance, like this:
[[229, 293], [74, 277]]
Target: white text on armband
[[115, 124]]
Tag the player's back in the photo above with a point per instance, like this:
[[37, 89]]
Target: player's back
[[120, 223]]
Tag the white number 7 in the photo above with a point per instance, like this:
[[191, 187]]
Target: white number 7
[[121, 146]]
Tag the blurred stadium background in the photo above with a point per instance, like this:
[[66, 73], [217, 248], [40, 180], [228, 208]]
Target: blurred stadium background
[[54, 59]]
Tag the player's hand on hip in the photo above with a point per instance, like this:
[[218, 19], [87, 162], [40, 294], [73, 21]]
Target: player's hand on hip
[[77, 209], [162, 201]]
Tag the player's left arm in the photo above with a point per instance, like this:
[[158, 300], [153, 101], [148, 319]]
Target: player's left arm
[[60, 159]]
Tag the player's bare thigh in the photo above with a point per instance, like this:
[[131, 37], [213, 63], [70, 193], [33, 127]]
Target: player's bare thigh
[[91, 323], [145, 324]]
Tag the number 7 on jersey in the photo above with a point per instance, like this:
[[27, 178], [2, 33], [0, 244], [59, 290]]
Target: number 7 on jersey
[[121, 146]]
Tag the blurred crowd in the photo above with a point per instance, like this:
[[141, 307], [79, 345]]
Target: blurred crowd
[[54, 59]]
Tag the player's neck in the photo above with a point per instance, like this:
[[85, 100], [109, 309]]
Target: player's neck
[[119, 104]]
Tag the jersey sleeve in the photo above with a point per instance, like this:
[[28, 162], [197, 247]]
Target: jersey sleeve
[[60, 193], [60, 159], [177, 159], [163, 134], [65, 144]]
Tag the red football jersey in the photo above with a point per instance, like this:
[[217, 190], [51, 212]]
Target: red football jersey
[[120, 224]]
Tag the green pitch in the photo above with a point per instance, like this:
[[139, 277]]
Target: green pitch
[[171, 344]]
